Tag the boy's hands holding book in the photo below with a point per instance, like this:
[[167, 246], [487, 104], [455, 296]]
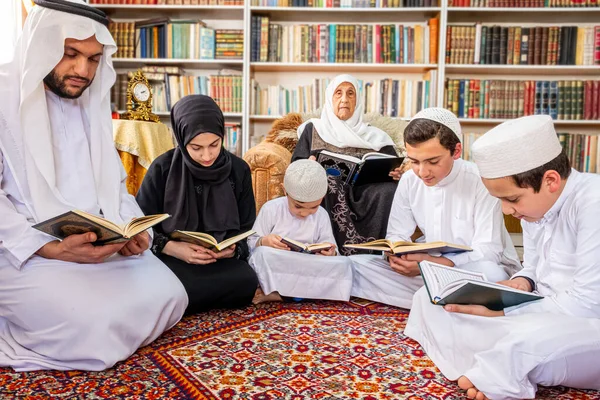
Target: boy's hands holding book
[[78, 248], [518, 283], [136, 245], [274, 241], [408, 264], [190, 253], [328, 252]]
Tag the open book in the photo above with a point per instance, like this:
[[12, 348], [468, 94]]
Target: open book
[[447, 285], [208, 241], [305, 248], [78, 222], [371, 168], [400, 248]]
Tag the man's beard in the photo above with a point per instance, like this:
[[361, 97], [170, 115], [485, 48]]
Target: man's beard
[[58, 86]]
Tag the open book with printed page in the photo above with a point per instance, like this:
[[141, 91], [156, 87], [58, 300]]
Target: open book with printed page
[[208, 241], [79, 222], [446, 285], [305, 248], [401, 247], [373, 167]]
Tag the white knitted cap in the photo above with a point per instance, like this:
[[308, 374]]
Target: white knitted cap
[[516, 146], [305, 181], [441, 116]]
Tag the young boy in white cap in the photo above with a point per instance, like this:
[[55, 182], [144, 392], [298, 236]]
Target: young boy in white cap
[[553, 341], [298, 216], [443, 196]]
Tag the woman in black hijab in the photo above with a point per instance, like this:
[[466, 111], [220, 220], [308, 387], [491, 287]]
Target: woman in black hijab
[[206, 189]]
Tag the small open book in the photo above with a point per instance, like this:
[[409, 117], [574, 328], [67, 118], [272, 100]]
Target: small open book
[[208, 241], [78, 222], [447, 285], [400, 248], [305, 248], [371, 168]]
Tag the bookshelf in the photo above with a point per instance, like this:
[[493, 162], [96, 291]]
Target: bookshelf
[[290, 75]]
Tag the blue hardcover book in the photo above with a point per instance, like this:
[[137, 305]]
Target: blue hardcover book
[[333, 43], [461, 99], [143, 42], [554, 99], [405, 61], [545, 98], [538, 98]]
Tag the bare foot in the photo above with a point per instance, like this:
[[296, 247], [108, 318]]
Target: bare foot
[[472, 393], [260, 297]]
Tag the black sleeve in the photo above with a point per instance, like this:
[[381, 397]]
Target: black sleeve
[[247, 211], [388, 150], [150, 199], [302, 150]]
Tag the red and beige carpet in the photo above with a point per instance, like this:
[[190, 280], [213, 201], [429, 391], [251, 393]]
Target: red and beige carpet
[[309, 350]]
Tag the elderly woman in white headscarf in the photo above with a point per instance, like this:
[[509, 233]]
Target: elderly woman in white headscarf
[[359, 213]]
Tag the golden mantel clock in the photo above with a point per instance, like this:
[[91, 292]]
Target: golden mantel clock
[[139, 99]]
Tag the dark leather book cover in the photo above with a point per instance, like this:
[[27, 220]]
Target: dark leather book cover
[[587, 100], [503, 44], [578, 114], [494, 298], [537, 46], [376, 170], [544, 51], [564, 46], [524, 46], [496, 31]]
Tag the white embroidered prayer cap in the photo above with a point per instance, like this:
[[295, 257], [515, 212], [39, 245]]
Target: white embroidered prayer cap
[[516, 146], [305, 181], [441, 116]]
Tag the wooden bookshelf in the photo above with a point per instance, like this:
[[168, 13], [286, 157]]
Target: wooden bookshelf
[[569, 71], [340, 67], [557, 122], [181, 62], [290, 75], [489, 10]]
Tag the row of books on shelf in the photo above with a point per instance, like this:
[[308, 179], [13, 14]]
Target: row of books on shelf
[[522, 3], [390, 97], [172, 2], [233, 138], [346, 3], [562, 100], [169, 84], [583, 150], [527, 45], [163, 38], [337, 43]]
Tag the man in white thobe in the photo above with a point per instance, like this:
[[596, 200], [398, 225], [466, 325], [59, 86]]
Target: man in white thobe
[[553, 341], [444, 197], [70, 305]]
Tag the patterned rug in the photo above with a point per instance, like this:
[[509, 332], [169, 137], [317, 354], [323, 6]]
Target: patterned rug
[[310, 350]]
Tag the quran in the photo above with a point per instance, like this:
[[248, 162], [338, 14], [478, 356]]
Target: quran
[[305, 248], [399, 248], [208, 241], [371, 168], [447, 285], [77, 222]]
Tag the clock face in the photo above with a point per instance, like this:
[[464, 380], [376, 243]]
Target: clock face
[[141, 92]]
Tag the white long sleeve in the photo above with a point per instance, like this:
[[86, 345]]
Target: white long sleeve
[[566, 261], [458, 210], [401, 224], [18, 239]]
